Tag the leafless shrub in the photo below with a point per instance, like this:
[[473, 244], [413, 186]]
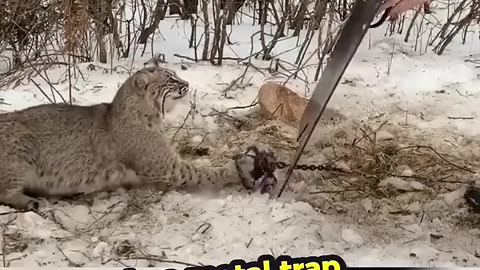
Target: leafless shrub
[[472, 16], [39, 34]]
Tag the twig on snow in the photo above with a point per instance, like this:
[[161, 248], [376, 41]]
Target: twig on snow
[[70, 262], [461, 117], [242, 107], [439, 155]]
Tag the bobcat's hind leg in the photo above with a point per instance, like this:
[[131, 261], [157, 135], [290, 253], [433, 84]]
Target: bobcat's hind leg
[[96, 174], [12, 181]]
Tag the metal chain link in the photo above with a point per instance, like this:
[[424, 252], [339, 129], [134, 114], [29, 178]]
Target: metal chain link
[[305, 167]]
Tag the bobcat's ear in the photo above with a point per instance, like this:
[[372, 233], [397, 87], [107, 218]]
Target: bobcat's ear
[[140, 79]]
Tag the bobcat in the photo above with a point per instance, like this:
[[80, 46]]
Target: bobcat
[[65, 150]]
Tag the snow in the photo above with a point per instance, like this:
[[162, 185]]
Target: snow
[[416, 225], [401, 184], [174, 228]]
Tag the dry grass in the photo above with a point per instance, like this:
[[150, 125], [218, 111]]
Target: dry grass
[[371, 157]]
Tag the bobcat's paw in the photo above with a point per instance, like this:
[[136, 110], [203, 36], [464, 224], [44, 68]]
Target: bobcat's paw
[[256, 169], [22, 203]]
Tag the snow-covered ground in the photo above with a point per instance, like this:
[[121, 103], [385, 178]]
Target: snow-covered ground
[[417, 217]]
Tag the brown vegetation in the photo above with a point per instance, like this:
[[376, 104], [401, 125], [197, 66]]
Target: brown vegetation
[[38, 34]]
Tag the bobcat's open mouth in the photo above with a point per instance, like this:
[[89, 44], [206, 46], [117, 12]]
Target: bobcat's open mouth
[[181, 93]]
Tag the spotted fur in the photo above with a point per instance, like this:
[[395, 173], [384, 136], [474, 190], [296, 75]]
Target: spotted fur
[[63, 150]]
